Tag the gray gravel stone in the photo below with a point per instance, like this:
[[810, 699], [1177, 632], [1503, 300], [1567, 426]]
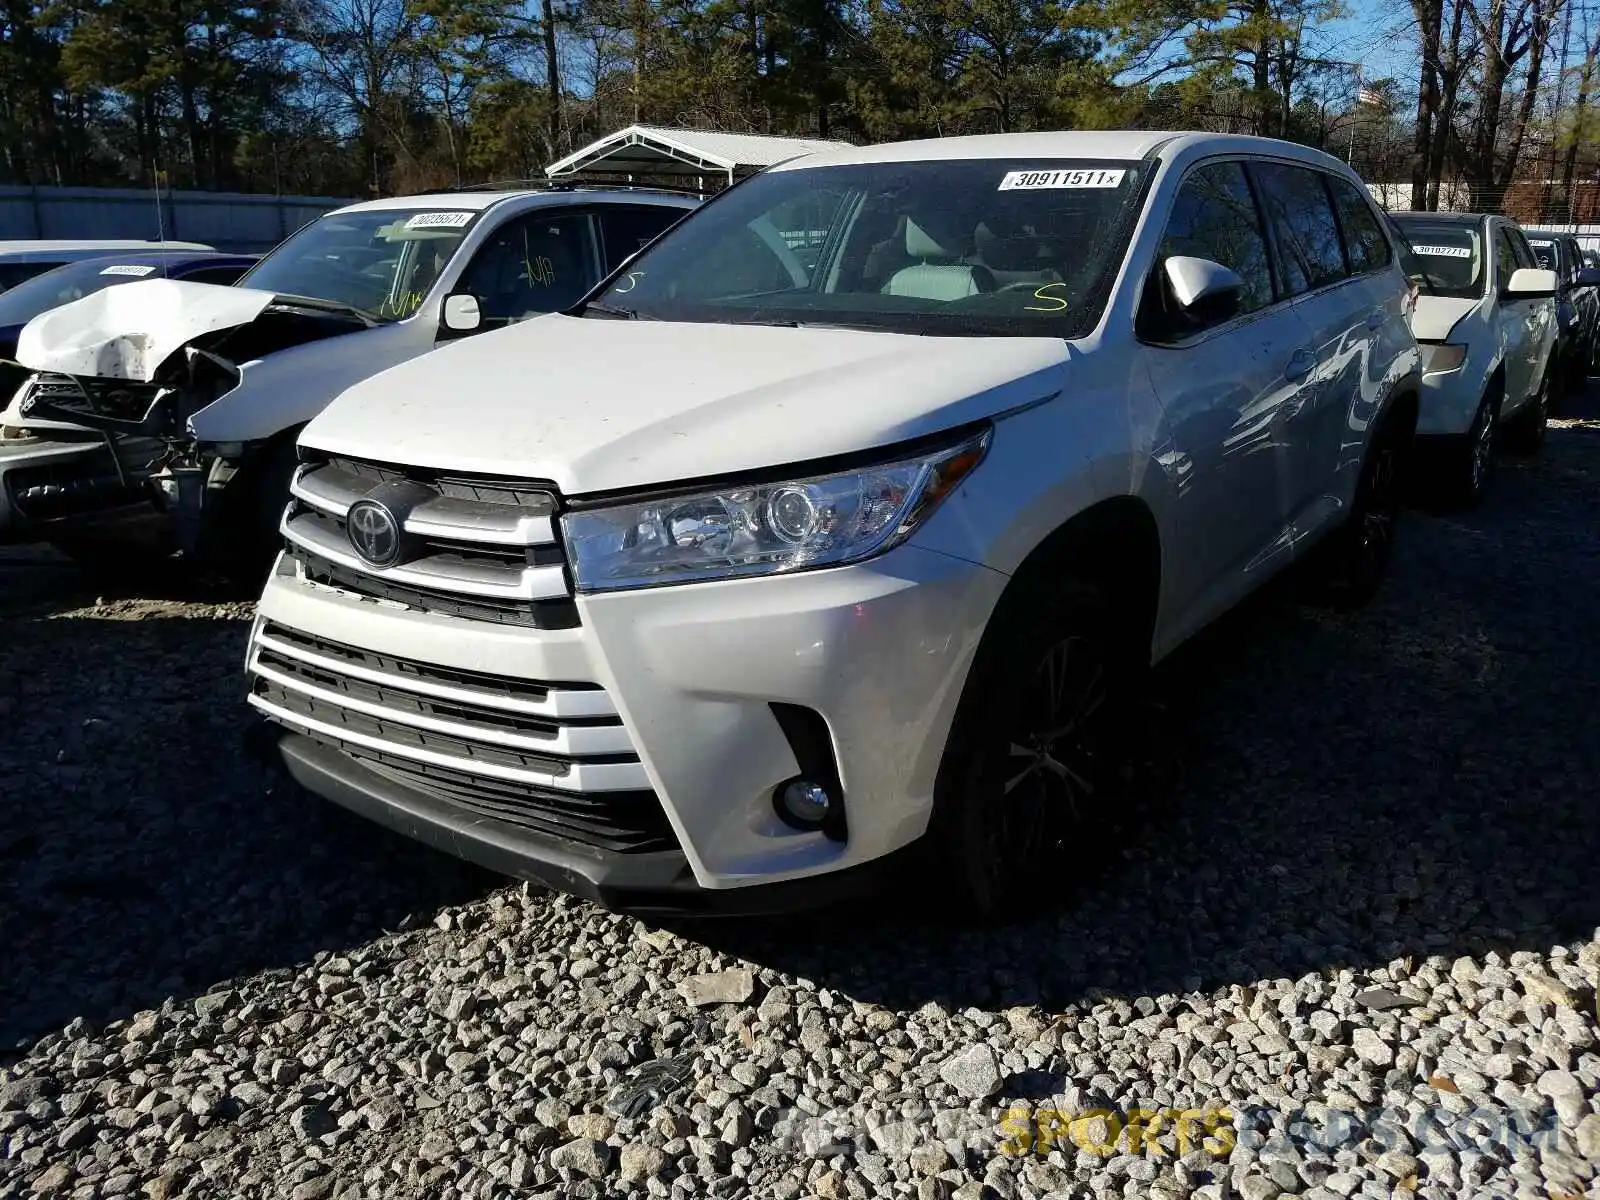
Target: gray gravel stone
[[974, 1072], [583, 1156], [1371, 1048], [719, 987], [171, 1007]]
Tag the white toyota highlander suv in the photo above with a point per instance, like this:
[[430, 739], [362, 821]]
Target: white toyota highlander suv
[[839, 525]]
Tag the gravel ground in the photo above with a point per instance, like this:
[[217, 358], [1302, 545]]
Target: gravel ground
[[1351, 951]]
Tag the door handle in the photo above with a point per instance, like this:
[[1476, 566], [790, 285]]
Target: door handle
[[1300, 365], [1376, 319]]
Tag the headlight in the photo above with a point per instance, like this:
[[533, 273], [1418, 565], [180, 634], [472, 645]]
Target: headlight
[[762, 529], [1438, 357]]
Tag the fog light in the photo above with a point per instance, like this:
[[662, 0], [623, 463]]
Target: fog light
[[804, 804]]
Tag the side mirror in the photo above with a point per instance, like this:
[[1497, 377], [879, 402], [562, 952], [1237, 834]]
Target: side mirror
[[1531, 283], [1589, 276], [462, 314], [1207, 291]]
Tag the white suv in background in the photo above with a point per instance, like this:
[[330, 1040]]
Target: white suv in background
[[844, 520], [1486, 322], [201, 390]]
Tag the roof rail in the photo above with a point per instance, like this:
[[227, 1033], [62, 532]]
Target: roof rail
[[564, 185]]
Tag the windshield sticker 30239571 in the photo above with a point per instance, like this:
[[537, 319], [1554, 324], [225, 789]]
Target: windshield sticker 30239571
[[438, 220]]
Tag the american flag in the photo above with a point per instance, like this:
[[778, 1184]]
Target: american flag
[[1372, 96]]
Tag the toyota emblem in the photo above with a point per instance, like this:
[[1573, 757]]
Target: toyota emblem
[[374, 532]]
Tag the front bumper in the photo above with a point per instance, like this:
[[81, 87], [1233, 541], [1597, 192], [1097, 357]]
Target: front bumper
[[640, 883], [690, 673]]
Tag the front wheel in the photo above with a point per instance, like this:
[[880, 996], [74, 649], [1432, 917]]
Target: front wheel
[[1035, 760], [1469, 460]]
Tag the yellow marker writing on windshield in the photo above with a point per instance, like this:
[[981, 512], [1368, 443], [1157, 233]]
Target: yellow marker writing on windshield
[[1056, 303]]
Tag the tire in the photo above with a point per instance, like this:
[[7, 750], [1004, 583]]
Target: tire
[[1468, 461], [1524, 433], [1035, 764], [1349, 566]]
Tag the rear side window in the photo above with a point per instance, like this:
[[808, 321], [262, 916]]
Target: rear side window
[[1310, 252], [626, 231], [1214, 216], [1364, 239]]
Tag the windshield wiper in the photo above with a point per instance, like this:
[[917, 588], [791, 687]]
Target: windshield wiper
[[610, 310]]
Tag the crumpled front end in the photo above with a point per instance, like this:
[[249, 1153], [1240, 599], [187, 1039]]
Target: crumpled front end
[[118, 376]]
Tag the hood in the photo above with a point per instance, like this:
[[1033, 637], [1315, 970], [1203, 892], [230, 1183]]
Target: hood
[[595, 405], [127, 332], [1436, 316], [122, 347]]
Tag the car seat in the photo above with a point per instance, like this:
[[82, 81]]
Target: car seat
[[938, 271]]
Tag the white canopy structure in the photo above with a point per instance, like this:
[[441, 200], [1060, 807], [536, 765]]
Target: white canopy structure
[[682, 155]]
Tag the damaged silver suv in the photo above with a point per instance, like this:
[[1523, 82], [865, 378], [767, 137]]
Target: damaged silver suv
[[163, 414]]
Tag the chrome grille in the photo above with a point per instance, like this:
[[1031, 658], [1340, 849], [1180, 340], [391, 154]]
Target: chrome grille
[[483, 549], [553, 757]]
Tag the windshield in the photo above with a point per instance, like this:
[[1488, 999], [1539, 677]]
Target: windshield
[[1450, 256], [381, 262], [66, 284], [995, 247], [1546, 253]]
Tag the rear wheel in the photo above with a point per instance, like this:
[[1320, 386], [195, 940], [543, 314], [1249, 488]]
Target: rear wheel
[[1036, 760], [1524, 433], [1351, 564]]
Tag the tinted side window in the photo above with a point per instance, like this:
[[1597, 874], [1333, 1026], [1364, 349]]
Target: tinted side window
[[628, 230], [1214, 216], [1307, 234], [1364, 240], [1505, 257], [1523, 251], [533, 264]]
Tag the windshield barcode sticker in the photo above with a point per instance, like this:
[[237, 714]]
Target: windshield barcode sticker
[[439, 220], [1023, 180], [138, 269], [1443, 251]]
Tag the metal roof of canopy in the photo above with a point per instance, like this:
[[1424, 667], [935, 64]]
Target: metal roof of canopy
[[680, 153]]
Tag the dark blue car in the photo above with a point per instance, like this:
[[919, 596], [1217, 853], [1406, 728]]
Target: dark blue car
[[62, 285]]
